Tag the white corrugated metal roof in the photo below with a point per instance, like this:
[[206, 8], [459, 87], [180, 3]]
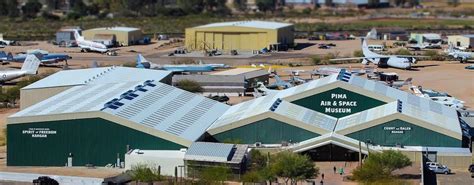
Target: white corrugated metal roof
[[98, 75], [236, 71], [359, 118], [307, 116], [250, 24], [126, 29], [152, 104], [210, 152]]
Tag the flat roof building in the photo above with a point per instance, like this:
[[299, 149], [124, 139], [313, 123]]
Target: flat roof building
[[240, 36], [63, 80], [229, 85], [464, 41], [124, 36], [251, 76]]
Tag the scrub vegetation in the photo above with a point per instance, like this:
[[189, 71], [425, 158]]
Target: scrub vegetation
[[145, 173], [9, 95], [378, 167], [286, 165], [189, 85], [3, 137]]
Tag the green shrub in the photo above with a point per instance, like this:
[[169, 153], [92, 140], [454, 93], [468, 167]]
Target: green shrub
[[189, 85], [145, 173], [379, 166], [358, 53]]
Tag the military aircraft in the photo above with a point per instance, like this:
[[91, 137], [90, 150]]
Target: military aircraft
[[5, 58], [462, 56], [30, 67], [400, 84], [44, 56], [395, 61], [192, 68], [279, 84], [438, 97], [262, 88]]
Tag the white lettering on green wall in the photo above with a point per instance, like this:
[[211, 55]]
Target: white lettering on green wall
[[397, 130], [338, 105], [39, 132]]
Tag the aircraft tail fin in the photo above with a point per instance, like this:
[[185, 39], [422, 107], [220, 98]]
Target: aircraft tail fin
[[31, 64], [141, 60], [78, 36], [94, 64], [278, 79]]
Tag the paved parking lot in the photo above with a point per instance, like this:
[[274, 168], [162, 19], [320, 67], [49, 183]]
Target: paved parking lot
[[458, 177]]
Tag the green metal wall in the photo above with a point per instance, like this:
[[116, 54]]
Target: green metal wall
[[416, 136], [267, 131], [92, 141], [319, 102]]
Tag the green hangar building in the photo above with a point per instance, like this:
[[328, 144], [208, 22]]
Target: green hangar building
[[97, 122], [327, 119]]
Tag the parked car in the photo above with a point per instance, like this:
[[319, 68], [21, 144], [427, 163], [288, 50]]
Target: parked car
[[471, 168], [440, 169], [433, 164]]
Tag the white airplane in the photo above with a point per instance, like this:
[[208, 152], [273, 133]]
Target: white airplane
[[261, 87], [462, 56], [296, 72], [442, 98], [395, 61], [30, 67], [87, 45]]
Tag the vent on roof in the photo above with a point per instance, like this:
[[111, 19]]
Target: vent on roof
[[344, 75], [275, 104], [113, 104], [149, 83], [399, 106]]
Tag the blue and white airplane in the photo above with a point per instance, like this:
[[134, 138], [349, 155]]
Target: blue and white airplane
[[43, 56], [5, 58], [191, 68]]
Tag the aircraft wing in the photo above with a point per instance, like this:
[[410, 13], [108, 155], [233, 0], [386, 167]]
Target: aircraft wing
[[411, 56], [357, 58]]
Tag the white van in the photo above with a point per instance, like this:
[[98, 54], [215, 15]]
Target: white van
[[376, 48]]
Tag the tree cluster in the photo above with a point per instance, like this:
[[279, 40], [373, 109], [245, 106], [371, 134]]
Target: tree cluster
[[286, 165], [379, 166], [101, 8]]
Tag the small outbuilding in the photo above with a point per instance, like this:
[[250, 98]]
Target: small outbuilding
[[464, 41], [124, 36], [229, 85]]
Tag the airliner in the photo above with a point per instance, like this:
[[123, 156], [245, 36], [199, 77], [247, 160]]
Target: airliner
[[87, 45]]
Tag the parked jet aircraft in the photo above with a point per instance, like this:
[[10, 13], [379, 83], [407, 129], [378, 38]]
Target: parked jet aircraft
[[279, 84], [395, 61], [88, 45], [192, 68], [30, 67], [43, 56]]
